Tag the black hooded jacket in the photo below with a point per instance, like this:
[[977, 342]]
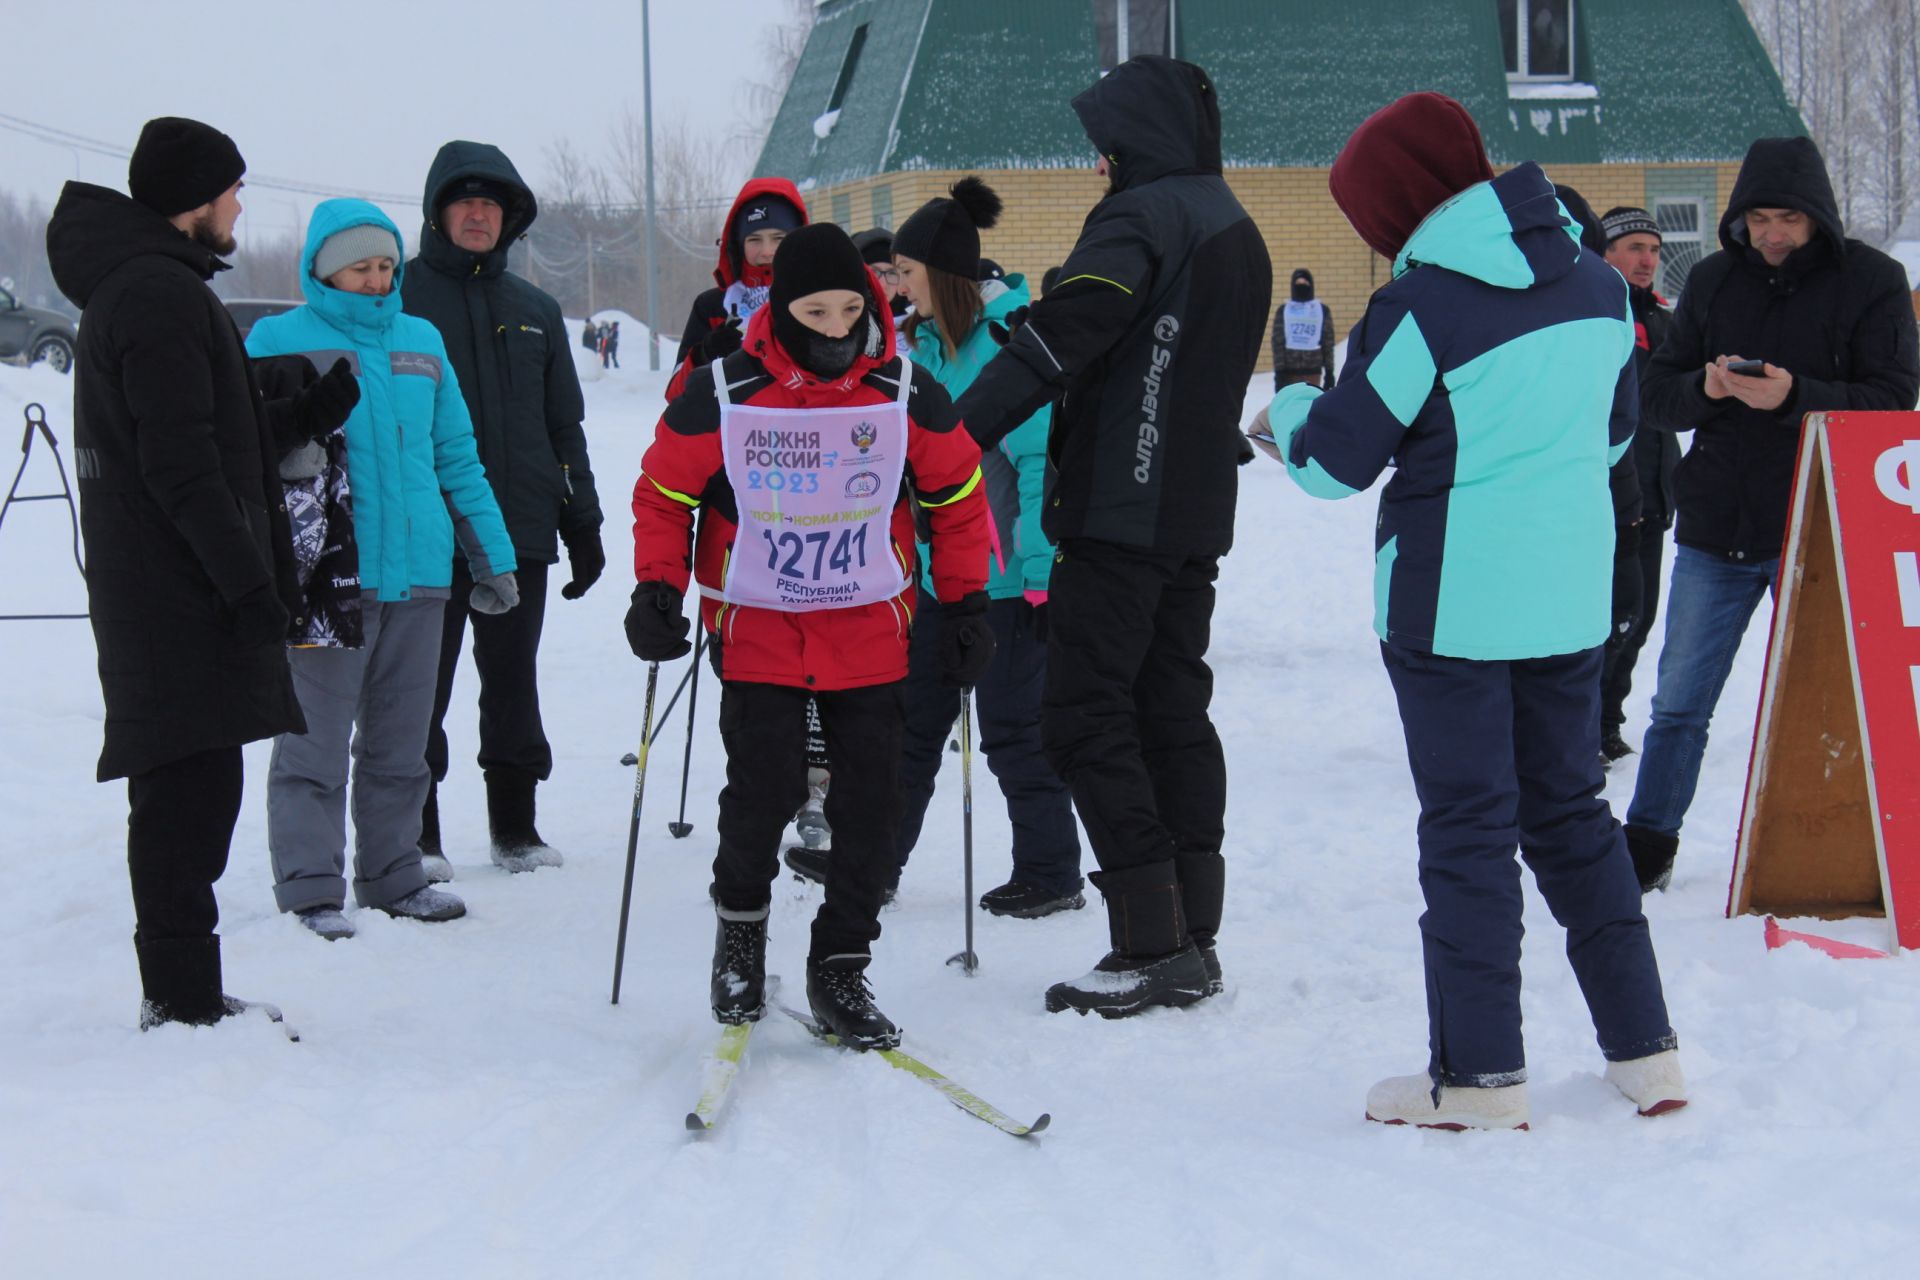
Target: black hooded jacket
[[180, 503], [1154, 328], [1836, 315], [512, 353]]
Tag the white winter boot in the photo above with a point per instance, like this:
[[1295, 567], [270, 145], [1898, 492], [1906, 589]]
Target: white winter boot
[[1654, 1083], [1409, 1100]]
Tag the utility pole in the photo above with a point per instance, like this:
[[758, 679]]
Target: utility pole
[[590, 307], [653, 258]]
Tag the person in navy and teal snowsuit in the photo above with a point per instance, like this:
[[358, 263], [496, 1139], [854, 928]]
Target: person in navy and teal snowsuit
[[1495, 372], [937, 255], [364, 669]]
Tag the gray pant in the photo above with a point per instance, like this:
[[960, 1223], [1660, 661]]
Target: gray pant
[[380, 697]]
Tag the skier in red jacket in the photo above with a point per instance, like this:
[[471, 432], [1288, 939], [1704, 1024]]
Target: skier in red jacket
[[805, 453], [763, 214]]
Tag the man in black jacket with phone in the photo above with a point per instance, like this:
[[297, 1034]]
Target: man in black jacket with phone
[[1828, 323], [1153, 330]]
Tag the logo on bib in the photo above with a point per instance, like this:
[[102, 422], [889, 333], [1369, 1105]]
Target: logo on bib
[[864, 435], [863, 484]]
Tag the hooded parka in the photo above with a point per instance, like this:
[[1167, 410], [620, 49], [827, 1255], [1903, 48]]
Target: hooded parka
[[511, 351], [180, 504], [1154, 328], [710, 307], [418, 485], [1836, 315]]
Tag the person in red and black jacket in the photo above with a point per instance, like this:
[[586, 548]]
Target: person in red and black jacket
[[822, 345], [764, 213]]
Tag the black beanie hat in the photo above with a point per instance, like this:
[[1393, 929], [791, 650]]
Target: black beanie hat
[[817, 257], [945, 233], [875, 246], [1592, 236], [1300, 287], [181, 164]]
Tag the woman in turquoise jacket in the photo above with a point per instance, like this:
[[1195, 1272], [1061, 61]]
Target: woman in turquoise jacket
[[937, 253], [414, 483]]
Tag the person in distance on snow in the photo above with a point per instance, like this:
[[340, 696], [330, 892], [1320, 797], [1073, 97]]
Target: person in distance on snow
[[507, 344], [1302, 336], [763, 214], [1494, 554], [190, 574], [957, 324], [1169, 286], [364, 665], [802, 552]]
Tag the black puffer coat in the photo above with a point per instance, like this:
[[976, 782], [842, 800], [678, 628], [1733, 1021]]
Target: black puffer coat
[[514, 357], [1153, 329], [1836, 315], [180, 504]]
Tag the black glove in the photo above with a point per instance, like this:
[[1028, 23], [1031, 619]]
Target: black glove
[[656, 629], [722, 342], [259, 617], [589, 561], [1003, 333], [966, 641], [322, 407]]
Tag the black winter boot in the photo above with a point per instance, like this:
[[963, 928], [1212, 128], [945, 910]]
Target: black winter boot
[[1653, 856], [842, 1003], [517, 846], [1203, 892], [808, 864], [739, 990], [1154, 960], [433, 858], [180, 982]]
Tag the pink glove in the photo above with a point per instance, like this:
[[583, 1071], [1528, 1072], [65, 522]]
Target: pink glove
[[1034, 598]]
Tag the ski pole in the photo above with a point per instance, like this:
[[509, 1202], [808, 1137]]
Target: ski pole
[[630, 759], [680, 829], [633, 828], [968, 961]]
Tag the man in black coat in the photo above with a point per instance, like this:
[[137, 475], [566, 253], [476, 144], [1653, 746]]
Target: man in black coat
[[190, 573], [1829, 321], [1153, 330], [508, 345], [1633, 243]]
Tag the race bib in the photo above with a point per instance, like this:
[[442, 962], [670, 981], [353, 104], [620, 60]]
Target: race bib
[[815, 491], [1302, 322], [742, 300]]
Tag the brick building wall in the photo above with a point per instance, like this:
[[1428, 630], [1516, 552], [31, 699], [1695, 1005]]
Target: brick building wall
[[1302, 227]]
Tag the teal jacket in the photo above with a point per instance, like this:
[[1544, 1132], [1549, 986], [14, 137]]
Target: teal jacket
[[1016, 469], [416, 476], [1495, 373]]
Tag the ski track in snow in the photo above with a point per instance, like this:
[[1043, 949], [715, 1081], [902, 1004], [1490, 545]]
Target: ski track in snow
[[467, 1103]]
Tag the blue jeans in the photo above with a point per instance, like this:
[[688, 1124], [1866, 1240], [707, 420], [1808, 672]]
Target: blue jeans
[[1709, 604]]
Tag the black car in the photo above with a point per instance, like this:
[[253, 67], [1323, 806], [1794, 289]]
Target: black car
[[32, 334], [247, 312]]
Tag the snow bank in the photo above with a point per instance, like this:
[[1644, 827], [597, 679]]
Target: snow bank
[[467, 1103]]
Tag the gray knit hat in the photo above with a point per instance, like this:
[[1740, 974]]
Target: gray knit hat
[[1626, 220], [353, 244]]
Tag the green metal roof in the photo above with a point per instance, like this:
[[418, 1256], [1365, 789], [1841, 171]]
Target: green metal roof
[[985, 84]]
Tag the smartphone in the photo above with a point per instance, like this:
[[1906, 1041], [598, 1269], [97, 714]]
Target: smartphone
[[1750, 368]]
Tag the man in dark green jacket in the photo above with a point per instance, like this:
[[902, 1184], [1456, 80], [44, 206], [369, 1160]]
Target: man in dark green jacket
[[511, 352]]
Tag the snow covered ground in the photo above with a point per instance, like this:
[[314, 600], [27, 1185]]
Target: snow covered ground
[[467, 1103]]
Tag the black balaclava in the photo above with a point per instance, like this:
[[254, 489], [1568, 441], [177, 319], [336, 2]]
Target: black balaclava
[[1302, 286], [812, 259]]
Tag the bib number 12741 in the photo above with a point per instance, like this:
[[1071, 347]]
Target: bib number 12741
[[851, 547]]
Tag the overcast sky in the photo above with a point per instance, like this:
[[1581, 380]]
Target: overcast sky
[[359, 93]]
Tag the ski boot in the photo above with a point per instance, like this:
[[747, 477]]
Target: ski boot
[[739, 990], [842, 1003]]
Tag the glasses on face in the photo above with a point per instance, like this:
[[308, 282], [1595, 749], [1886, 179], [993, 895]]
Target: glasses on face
[[887, 275]]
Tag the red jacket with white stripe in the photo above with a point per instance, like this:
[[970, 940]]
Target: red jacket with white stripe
[[684, 472]]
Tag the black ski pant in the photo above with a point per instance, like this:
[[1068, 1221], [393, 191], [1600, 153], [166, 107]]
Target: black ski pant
[[764, 729], [1046, 845], [179, 829], [1507, 754], [1616, 677], [1124, 718], [506, 651]]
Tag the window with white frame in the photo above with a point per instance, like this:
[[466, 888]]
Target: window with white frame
[[1536, 37], [1130, 28], [1683, 240]]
